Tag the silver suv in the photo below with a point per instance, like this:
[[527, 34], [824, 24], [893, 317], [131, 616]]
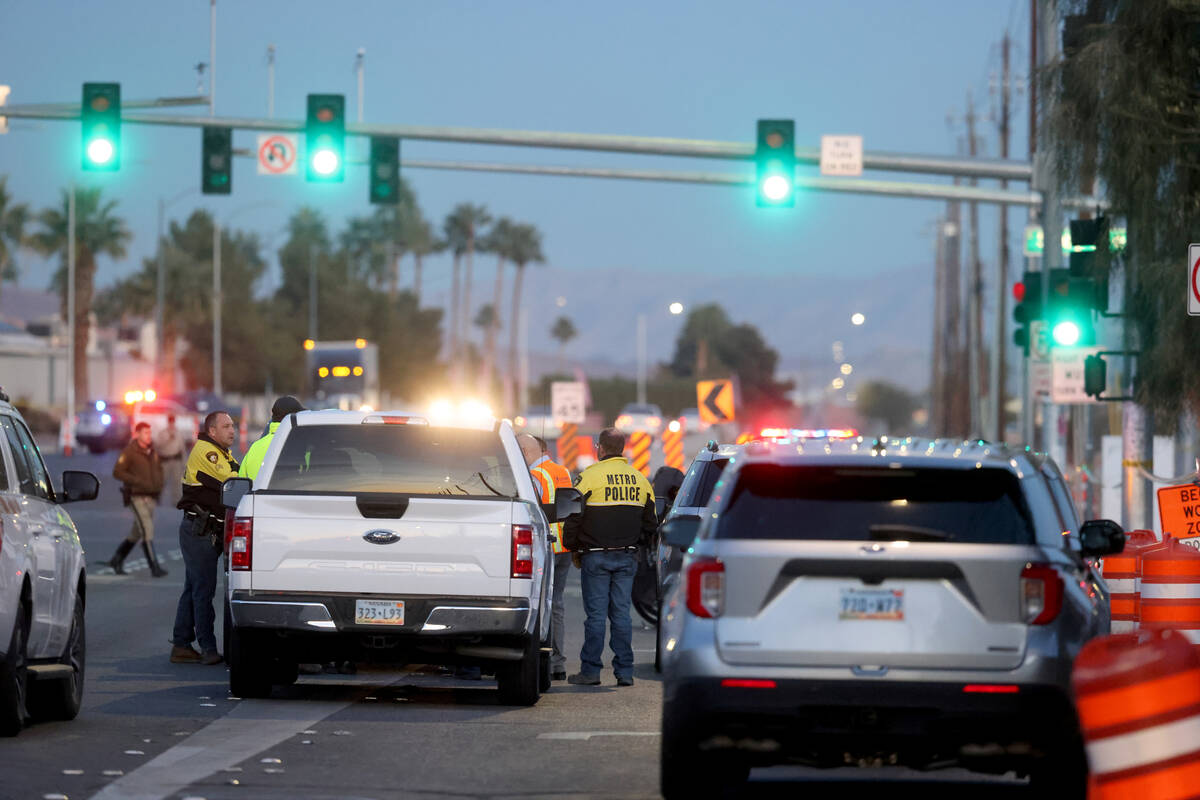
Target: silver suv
[[907, 602]]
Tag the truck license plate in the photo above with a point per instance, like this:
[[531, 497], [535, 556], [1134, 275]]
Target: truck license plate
[[378, 612], [878, 604]]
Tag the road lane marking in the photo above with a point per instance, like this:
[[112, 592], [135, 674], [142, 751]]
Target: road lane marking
[[250, 728], [583, 736]]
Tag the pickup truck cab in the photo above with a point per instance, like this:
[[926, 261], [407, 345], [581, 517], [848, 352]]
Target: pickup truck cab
[[378, 537]]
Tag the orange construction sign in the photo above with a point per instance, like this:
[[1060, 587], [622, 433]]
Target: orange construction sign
[[715, 401], [1179, 512], [672, 442], [568, 446]]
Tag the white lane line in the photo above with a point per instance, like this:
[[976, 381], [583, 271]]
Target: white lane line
[[250, 728], [583, 736]]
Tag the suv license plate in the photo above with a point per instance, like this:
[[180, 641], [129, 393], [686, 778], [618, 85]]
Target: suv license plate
[[378, 612], [878, 604]]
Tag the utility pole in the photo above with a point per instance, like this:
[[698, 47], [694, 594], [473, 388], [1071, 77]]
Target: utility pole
[[160, 292], [312, 292], [359, 58], [937, 383], [69, 446], [641, 359], [956, 421], [1028, 398], [212, 58], [999, 372], [974, 292], [217, 303], [270, 80]]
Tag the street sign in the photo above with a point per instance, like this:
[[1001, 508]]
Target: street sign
[[715, 401], [568, 402], [842, 155], [1193, 305], [1179, 513], [1039, 340], [1040, 378], [276, 154], [4, 90], [1067, 374]]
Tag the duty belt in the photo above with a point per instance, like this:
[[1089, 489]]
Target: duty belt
[[628, 549], [209, 518]]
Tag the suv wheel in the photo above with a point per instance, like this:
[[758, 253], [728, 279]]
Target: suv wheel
[[520, 681], [62, 699], [687, 773], [249, 673], [14, 676]]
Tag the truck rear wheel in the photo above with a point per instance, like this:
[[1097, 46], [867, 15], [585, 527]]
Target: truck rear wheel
[[249, 674], [520, 681]]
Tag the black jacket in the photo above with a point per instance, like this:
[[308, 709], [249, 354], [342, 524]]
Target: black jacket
[[618, 508]]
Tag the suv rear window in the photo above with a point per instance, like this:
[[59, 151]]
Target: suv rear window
[[983, 506], [402, 459], [698, 485]]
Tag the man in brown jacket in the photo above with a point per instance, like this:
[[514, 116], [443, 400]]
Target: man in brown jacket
[[141, 470]]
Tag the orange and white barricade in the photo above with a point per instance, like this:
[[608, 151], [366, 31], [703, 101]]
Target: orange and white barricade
[[638, 449], [1138, 700], [672, 444], [1121, 573], [568, 446], [1170, 590]]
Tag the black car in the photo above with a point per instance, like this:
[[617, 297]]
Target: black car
[[103, 425]]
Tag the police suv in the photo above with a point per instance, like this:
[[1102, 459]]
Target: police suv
[[41, 582], [379, 537]]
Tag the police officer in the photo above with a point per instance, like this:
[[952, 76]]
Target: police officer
[[171, 446], [139, 468], [253, 459], [547, 477], [618, 516], [201, 538]]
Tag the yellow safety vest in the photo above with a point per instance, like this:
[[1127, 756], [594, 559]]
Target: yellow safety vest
[[550, 476]]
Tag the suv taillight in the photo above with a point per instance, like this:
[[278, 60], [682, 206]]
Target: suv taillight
[[522, 551], [241, 543], [706, 587], [1041, 594]]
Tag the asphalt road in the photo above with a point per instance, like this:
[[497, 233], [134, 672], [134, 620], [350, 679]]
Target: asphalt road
[[152, 729]]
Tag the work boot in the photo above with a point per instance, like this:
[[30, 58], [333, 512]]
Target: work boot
[[210, 658], [624, 680], [579, 679], [155, 569], [117, 562], [184, 654]]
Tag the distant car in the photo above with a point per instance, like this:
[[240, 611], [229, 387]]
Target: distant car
[[103, 425], [636, 417], [916, 604], [691, 422], [156, 412], [539, 421], [41, 582]]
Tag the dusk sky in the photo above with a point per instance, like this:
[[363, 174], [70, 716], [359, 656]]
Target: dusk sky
[[889, 71]]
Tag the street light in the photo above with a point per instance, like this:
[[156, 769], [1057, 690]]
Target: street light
[[857, 318], [847, 369], [675, 308]]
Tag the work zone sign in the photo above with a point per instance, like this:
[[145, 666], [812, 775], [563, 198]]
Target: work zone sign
[[1179, 512]]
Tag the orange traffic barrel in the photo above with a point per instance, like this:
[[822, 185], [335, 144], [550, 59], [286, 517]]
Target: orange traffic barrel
[[1121, 572], [1170, 589], [1138, 700]]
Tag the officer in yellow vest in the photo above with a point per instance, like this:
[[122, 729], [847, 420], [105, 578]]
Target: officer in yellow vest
[[547, 477], [618, 516], [201, 539], [253, 459]]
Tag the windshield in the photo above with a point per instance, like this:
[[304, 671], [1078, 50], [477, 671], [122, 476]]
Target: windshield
[[402, 459], [982, 506]]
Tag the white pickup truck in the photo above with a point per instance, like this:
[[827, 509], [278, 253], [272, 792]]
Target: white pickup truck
[[377, 537]]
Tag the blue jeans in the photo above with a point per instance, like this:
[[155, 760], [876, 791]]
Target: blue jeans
[[607, 580], [194, 615]]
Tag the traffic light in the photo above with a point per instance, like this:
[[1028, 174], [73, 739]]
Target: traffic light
[[325, 137], [100, 118], [1086, 236], [216, 167], [1028, 308], [385, 170], [1068, 309], [775, 162], [1095, 376]]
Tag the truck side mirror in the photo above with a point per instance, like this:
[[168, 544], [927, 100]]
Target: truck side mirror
[[1101, 537], [78, 485], [567, 503], [680, 531], [233, 490]]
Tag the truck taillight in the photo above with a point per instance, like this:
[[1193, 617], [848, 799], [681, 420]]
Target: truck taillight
[[1041, 594], [241, 543], [522, 551], [706, 587]]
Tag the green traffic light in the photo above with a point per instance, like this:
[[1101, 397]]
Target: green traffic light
[[325, 162], [100, 151], [776, 188], [1066, 333]]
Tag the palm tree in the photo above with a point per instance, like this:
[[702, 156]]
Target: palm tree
[[98, 231], [484, 320], [526, 249], [13, 217], [455, 238], [421, 242], [498, 241], [564, 331], [471, 219]]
